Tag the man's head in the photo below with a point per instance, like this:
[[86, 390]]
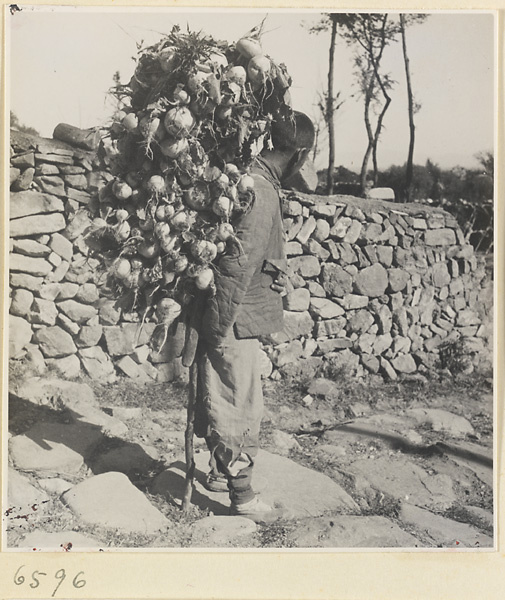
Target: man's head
[[292, 140]]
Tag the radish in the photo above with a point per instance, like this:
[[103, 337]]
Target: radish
[[236, 74], [179, 121], [121, 190], [222, 207], [195, 81], [167, 58], [181, 263], [122, 268], [223, 180], [156, 185], [180, 95], [197, 197], [168, 277], [130, 122], [161, 230], [232, 171], [149, 249], [245, 184], [231, 192], [172, 147], [164, 212], [121, 215], [224, 231], [204, 250], [258, 69], [204, 279], [221, 247], [180, 221], [168, 242], [248, 47], [123, 230]]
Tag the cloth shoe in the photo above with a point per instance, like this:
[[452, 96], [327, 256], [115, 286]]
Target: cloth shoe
[[215, 482], [259, 511]]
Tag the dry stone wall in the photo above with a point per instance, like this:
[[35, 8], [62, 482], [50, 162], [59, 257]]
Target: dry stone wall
[[374, 287]]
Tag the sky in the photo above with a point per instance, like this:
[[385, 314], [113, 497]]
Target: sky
[[62, 61]]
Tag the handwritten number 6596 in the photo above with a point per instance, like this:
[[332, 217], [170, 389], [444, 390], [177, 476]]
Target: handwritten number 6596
[[78, 581]]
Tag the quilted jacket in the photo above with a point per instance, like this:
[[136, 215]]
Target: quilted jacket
[[244, 299]]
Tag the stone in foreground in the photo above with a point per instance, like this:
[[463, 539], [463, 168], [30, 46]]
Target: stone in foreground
[[302, 491], [21, 493], [110, 500], [348, 531], [445, 531], [53, 448], [406, 481], [222, 531]]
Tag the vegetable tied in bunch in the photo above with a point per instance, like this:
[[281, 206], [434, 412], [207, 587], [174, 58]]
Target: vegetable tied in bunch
[[194, 115]]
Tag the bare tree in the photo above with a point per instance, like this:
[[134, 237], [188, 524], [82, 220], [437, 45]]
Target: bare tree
[[413, 107], [370, 34], [331, 22]]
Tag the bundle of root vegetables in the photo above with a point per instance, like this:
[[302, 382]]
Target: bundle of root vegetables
[[193, 117]]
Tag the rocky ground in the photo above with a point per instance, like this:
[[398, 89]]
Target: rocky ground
[[379, 465]]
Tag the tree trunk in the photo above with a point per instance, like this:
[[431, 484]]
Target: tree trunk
[[410, 158], [330, 109], [368, 152]]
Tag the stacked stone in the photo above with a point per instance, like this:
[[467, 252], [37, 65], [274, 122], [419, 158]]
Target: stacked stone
[[58, 316], [377, 287], [374, 287]]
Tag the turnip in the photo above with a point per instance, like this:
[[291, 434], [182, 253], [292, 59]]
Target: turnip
[[130, 122], [248, 47], [164, 212], [221, 247], [180, 221], [258, 69], [236, 74], [197, 197], [204, 279], [161, 230], [222, 207], [156, 185], [223, 180], [168, 277], [232, 171], [123, 230], [121, 215], [122, 268], [179, 121], [245, 184], [195, 81], [151, 129], [169, 242], [149, 249], [180, 264], [121, 190], [224, 231], [173, 147], [180, 95]]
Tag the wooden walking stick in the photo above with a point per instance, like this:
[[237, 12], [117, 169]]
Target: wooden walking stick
[[188, 360]]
